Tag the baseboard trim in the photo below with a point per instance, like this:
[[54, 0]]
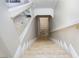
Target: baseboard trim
[[69, 48], [18, 52], [73, 52], [21, 48], [69, 24]]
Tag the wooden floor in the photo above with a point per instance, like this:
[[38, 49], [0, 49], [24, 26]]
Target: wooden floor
[[45, 48]]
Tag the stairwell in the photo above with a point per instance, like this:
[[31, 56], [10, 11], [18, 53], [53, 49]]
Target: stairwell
[[45, 48]]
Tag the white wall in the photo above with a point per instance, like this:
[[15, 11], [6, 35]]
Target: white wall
[[3, 49], [70, 36], [44, 11], [8, 34], [66, 13], [44, 3], [9, 40]]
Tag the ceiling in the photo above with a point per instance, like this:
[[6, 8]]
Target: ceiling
[[44, 3]]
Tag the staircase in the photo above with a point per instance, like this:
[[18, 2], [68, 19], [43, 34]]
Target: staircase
[[43, 47]]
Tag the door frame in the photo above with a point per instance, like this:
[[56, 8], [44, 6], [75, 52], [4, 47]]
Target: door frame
[[37, 21]]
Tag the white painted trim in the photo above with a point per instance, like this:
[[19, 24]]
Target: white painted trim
[[71, 23], [66, 46], [23, 34], [44, 11], [73, 52], [18, 51], [21, 48], [62, 27], [69, 48]]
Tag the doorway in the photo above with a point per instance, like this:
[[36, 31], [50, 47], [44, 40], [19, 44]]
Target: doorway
[[43, 25]]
